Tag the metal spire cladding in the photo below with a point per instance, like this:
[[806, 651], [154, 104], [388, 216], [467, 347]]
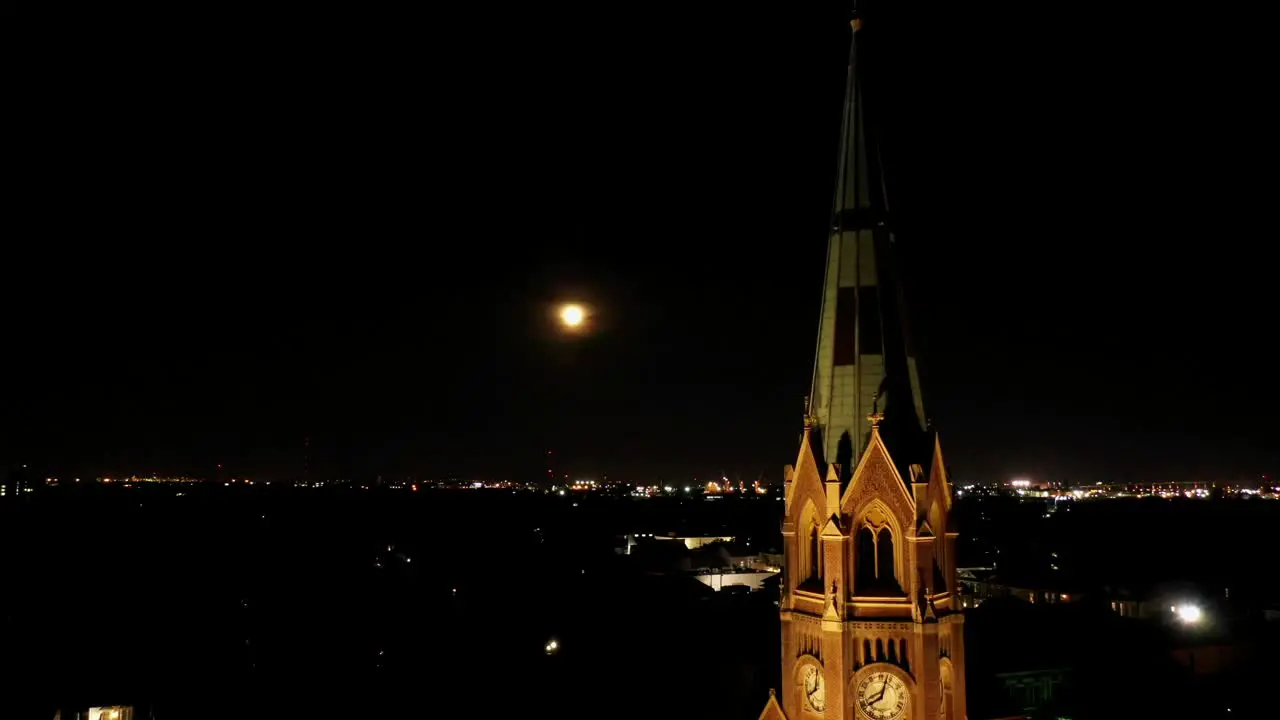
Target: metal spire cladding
[[864, 364]]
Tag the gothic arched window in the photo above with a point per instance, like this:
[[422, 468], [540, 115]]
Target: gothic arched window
[[865, 561], [815, 563], [884, 558], [808, 550]]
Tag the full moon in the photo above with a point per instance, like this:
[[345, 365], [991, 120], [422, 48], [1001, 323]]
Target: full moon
[[572, 315]]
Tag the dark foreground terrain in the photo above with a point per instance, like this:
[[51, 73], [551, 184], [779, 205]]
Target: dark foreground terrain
[[261, 602], [320, 603]]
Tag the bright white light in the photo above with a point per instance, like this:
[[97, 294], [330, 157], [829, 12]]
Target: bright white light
[[1189, 613], [572, 315], [552, 646]]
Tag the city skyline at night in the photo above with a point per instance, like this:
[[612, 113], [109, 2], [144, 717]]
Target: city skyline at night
[[599, 361]]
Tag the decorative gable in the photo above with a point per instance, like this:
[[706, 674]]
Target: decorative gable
[[772, 710], [876, 478], [938, 493], [939, 486], [805, 483]]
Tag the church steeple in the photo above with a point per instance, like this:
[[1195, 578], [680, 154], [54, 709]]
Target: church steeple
[[872, 625], [864, 362]]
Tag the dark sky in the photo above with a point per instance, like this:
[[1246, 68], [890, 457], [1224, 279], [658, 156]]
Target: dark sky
[[225, 234]]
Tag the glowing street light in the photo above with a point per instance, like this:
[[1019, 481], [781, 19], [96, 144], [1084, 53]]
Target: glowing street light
[[1189, 614], [573, 315]]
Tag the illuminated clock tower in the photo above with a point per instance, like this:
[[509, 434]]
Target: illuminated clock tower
[[871, 621]]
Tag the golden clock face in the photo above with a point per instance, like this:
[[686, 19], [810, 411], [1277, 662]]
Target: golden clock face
[[815, 693], [882, 696]]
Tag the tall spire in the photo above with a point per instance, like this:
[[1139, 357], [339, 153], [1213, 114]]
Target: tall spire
[[864, 362]]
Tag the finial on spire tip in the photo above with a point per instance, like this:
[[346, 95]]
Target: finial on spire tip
[[875, 417]]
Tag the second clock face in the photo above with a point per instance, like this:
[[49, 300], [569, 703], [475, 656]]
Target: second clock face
[[882, 696], [814, 692]]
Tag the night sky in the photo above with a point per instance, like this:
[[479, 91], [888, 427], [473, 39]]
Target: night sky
[[224, 235]]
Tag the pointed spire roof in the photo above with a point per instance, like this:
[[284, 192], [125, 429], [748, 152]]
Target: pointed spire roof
[[865, 364], [860, 199]]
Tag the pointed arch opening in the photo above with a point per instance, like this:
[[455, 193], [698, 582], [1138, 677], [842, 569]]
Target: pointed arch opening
[[947, 696], [809, 551], [884, 555], [865, 560], [815, 555], [876, 559]]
